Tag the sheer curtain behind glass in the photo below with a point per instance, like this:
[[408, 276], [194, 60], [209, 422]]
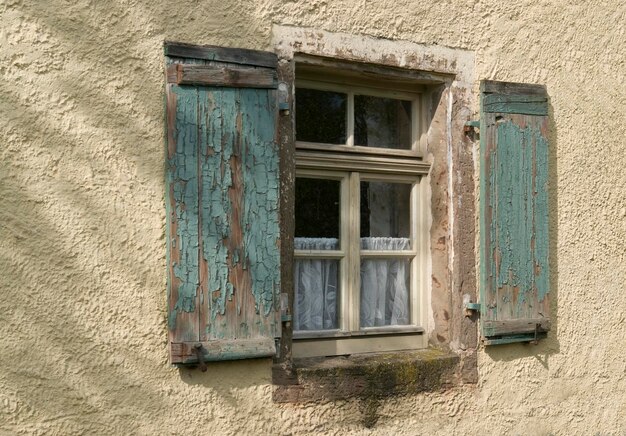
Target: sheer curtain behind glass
[[384, 284], [316, 286]]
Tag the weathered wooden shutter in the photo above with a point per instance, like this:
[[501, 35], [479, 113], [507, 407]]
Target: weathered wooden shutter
[[222, 203], [514, 270]]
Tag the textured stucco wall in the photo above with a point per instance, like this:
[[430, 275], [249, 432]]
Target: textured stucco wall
[[82, 284]]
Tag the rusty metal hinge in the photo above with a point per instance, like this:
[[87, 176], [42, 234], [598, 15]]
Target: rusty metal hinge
[[472, 128], [470, 308]]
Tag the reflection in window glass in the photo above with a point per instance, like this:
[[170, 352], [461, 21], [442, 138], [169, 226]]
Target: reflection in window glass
[[317, 213], [320, 116], [382, 122], [385, 215]]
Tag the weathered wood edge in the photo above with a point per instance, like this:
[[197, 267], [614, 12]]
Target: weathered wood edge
[[514, 339], [518, 108], [286, 143], [516, 326], [379, 71], [217, 350], [512, 88], [209, 75], [222, 54]]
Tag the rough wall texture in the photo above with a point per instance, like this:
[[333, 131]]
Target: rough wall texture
[[82, 248]]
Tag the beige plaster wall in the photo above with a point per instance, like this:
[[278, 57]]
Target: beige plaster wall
[[82, 266]]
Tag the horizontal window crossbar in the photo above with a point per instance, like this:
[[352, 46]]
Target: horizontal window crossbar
[[350, 162], [319, 254], [366, 331], [388, 253], [357, 149]]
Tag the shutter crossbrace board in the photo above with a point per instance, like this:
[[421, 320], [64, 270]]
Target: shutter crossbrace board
[[514, 339], [184, 353], [209, 75], [515, 326]]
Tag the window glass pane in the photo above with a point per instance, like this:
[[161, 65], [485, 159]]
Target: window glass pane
[[385, 289], [382, 122], [317, 214], [320, 116], [385, 216], [316, 293]]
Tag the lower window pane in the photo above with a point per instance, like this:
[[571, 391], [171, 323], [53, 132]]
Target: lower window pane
[[385, 289], [316, 292]]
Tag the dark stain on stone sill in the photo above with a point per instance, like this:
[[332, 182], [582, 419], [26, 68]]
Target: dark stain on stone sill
[[368, 377]]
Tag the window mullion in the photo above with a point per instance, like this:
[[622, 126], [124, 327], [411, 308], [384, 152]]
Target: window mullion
[[418, 221], [345, 271], [350, 120], [354, 261]]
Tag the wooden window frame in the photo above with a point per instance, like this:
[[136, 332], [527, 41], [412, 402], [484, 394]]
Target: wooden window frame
[[418, 138], [445, 77], [351, 164]]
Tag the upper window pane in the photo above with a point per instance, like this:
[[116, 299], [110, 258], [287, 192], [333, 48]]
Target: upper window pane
[[317, 214], [321, 116], [382, 122], [385, 216]]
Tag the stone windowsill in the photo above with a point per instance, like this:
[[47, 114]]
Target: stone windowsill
[[365, 376]]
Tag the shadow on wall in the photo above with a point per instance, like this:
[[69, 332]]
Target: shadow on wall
[[82, 245], [550, 346]]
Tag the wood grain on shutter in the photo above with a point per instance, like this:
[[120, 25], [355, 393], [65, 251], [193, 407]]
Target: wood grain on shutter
[[223, 242], [514, 212], [183, 213], [238, 77], [221, 54]]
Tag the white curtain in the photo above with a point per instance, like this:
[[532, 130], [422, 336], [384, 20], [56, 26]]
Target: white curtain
[[384, 285], [316, 284]]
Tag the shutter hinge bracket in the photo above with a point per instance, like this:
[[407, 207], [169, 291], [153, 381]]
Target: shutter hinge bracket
[[470, 308], [472, 129], [283, 98]]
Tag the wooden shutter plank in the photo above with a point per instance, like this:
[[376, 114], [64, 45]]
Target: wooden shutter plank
[[527, 325], [222, 54], [514, 211], [511, 88], [194, 74], [240, 233], [216, 350], [182, 208], [515, 104]]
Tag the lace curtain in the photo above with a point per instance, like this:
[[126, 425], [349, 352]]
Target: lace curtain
[[384, 285]]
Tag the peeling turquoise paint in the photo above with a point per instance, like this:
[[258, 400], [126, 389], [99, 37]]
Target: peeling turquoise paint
[[541, 209], [217, 108], [183, 178], [261, 179], [239, 217], [516, 104], [519, 231]]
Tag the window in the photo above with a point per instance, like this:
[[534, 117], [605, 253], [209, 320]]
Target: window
[[385, 188], [360, 216]]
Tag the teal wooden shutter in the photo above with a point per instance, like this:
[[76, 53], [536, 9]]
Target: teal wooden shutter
[[222, 203], [514, 240]]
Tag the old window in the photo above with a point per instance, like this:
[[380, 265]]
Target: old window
[[382, 177], [360, 215]]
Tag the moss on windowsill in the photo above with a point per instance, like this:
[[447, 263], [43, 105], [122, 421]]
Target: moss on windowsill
[[364, 376]]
